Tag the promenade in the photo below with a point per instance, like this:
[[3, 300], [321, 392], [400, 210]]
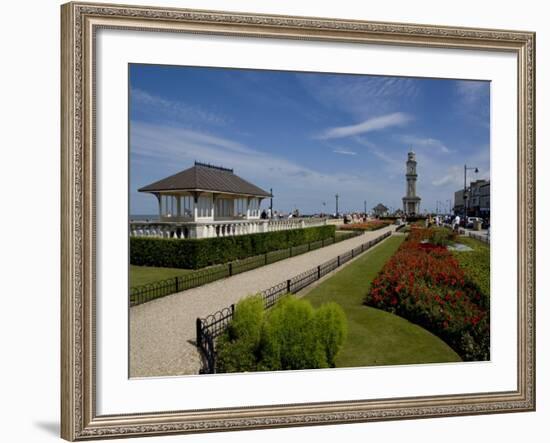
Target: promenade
[[162, 331]]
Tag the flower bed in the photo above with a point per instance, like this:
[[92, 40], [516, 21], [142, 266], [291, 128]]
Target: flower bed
[[424, 283], [372, 225]]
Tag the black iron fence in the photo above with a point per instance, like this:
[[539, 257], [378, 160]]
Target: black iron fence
[[212, 326], [150, 291]]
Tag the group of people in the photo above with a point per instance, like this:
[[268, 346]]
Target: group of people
[[266, 214]]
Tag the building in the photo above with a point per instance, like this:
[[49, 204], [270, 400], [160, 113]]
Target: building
[[411, 202], [477, 199], [380, 210], [209, 201], [485, 200], [458, 207]]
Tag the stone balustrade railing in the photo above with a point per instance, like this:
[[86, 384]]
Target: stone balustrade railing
[[220, 228]]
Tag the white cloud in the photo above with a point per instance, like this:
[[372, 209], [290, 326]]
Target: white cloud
[[424, 142], [174, 109], [362, 96], [175, 149], [372, 124], [471, 92], [393, 165], [454, 177], [344, 151]]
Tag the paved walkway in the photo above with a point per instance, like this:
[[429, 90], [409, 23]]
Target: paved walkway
[[162, 331]]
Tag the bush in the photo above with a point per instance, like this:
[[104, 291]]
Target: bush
[[292, 335], [290, 339], [441, 236], [199, 253], [332, 329], [238, 347]]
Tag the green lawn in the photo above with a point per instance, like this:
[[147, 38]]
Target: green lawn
[[477, 263], [141, 275], [376, 337]]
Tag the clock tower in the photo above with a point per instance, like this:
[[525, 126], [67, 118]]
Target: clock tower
[[411, 203]]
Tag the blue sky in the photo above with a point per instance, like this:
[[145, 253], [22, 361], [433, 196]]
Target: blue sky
[[308, 135]]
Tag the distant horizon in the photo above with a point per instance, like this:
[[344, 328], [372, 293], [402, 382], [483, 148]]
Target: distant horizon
[[309, 136]]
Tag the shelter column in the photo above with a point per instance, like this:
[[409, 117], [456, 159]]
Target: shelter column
[[195, 206], [214, 198], [159, 199]]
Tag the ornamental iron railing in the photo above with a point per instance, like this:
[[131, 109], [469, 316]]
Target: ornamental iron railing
[[209, 328]]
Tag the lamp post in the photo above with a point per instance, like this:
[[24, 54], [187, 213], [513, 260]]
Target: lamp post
[[336, 205], [271, 203], [466, 169]]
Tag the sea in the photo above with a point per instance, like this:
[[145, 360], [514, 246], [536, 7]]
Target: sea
[[144, 217]]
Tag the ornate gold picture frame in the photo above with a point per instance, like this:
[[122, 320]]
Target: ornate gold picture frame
[[80, 22]]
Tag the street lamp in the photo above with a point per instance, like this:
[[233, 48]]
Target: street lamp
[[467, 168], [270, 202]]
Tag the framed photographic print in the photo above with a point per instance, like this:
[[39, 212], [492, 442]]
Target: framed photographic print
[[282, 221]]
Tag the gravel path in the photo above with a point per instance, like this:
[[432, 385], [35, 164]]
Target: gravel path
[[162, 331]]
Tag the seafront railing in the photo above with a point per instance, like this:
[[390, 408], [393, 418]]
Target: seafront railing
[[209, 328], [218, 228]]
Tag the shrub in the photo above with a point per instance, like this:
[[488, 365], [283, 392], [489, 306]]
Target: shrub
[[199, 253], [332, 329], [292, 335], [290, 338], [238, 347], [441, 236]]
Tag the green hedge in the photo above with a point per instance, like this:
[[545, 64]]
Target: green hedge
[[199, 253]]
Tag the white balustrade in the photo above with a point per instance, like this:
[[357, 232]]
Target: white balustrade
[[218, 228]]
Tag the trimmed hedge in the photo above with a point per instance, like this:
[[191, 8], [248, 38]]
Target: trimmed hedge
[[199, 253]]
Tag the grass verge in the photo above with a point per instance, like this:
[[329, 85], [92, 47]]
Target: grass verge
[[476, 264], [141, 275], [376, 337]]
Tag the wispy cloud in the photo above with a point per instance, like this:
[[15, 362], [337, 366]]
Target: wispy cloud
[[362, 96], [472, 92], [424, 142], [473, 101], [344, 151], [394, 165], [372, 124], [172, 149], [175, 110]]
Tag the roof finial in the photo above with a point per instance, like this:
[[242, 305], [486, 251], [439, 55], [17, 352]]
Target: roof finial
[[208, 165]]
